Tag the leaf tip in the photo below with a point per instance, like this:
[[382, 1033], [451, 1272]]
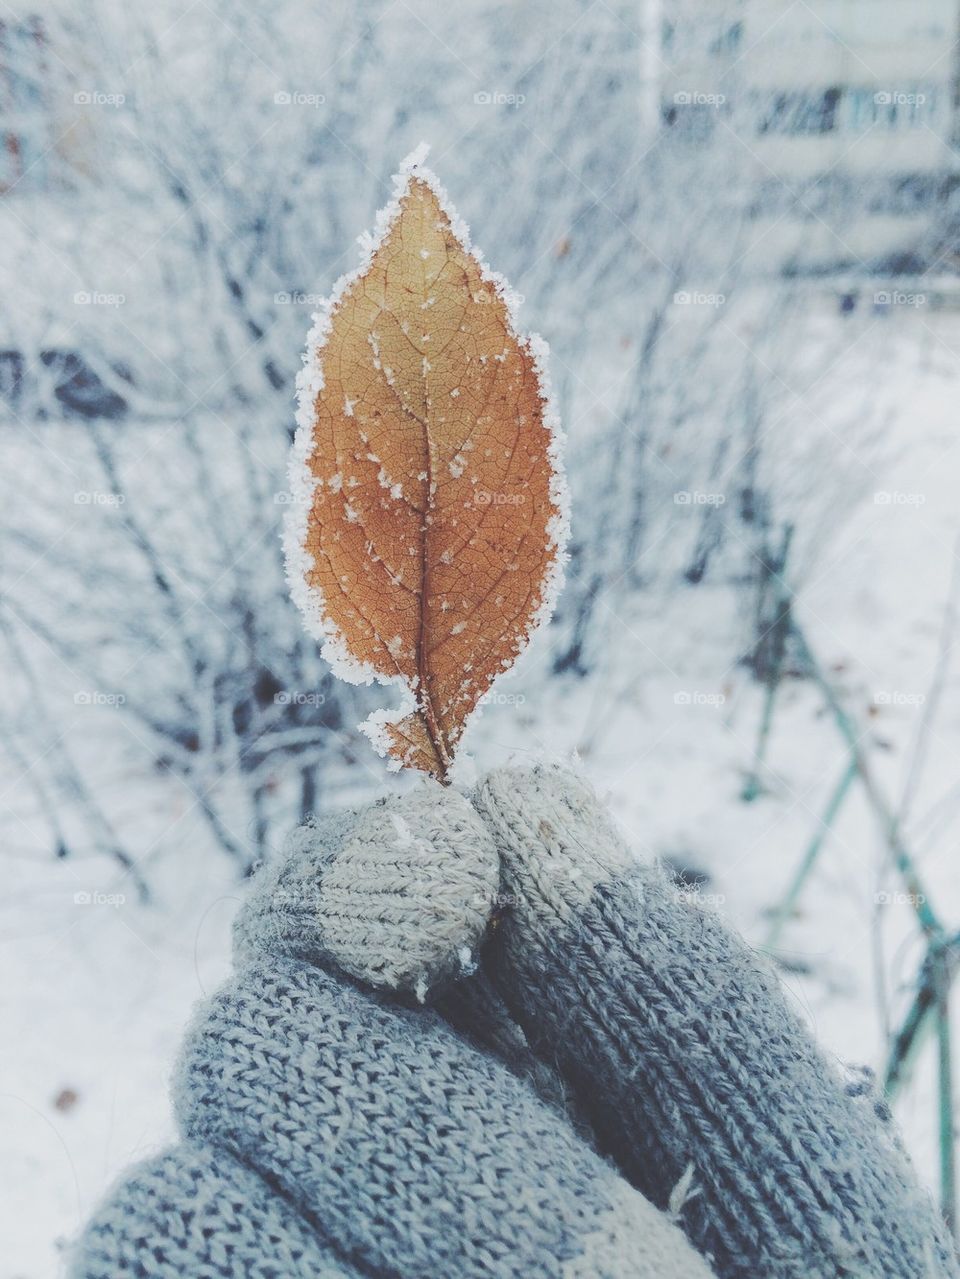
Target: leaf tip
[[414, 160]]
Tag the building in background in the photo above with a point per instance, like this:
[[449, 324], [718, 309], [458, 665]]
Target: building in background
[[846, 108]]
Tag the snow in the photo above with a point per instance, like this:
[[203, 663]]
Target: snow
[[94, 998], [404, 834]]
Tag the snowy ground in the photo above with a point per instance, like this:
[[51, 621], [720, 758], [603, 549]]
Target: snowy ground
[[97, 991]]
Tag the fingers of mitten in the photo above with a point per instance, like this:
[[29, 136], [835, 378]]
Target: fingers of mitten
[[279, 914], [193, 1211], [556, 843], [420, 1155], [475, 1008], [397, 896], [700, 1082]]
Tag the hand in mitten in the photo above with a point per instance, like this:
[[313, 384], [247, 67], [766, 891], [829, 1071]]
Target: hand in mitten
[[660, 1036], [333, 1127], [696, 1078]]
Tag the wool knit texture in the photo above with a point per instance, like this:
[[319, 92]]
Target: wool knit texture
[[332, 1126], [397, 896], [194, 1211], [372, 1138], [413, 1153], [693, 1071]]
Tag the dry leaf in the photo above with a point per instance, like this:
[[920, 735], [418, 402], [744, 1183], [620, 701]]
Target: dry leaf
[[429, 510]]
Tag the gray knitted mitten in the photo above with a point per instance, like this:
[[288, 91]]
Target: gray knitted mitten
[[700, 1083], [195, 1211], [330, 1129], [334, 1126]]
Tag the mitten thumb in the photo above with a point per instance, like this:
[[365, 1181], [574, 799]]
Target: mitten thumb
[[397, 896]]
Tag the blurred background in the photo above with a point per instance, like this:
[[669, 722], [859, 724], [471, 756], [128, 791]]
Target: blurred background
[[735, 223]]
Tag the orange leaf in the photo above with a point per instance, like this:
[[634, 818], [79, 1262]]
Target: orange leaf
[[424, 544]]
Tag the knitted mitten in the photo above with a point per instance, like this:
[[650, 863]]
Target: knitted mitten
[[647, 1016], [411, 1152], [195, 1211], [700, 1082], [331, 1130], [397, 896]]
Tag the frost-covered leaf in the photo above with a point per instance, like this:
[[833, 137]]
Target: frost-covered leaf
[[425, 543]]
